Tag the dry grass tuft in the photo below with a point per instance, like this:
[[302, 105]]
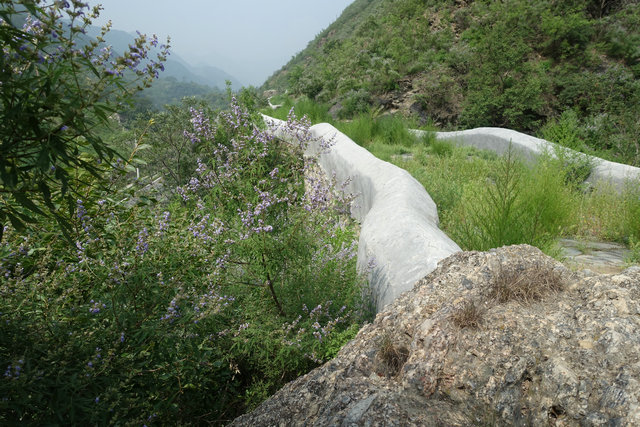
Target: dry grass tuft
[[467, 315], [525, 285], [392, 356]]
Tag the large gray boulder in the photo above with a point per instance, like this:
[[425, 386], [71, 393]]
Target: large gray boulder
[[499, 140], [505, 337]]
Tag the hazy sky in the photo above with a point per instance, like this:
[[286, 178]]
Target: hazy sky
[[250, 39]]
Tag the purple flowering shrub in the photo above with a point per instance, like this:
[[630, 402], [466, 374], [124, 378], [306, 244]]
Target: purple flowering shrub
[[190, 311], [57, 88], [169, 154]]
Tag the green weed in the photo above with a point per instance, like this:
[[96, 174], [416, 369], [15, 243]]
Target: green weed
[[369, 128], [600, 220], [441, 148]]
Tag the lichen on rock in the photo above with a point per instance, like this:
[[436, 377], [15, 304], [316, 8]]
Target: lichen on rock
[[568, 356]]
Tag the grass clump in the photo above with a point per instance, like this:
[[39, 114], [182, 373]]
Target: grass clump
[[611, 215], [391, 355], [467, 315], [370, 128], [524, 285], [514, 204], [316, 112]]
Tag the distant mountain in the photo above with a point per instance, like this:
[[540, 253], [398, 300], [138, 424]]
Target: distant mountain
[[202, 74], [174, 66]]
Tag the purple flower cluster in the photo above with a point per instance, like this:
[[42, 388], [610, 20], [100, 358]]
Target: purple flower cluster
[[202, 129], [81, 214], [207, 229], [328, 254], [13, 371], [96, 307], [142, 244], [172, 313], [253, 216], [97, 359], [322, 324], [210, 303], [118, 272], [163, 223]]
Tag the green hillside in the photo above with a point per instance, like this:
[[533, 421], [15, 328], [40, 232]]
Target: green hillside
[[566, 70]]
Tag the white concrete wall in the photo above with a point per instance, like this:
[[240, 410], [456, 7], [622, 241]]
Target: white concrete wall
[[498, 140], [399, 220]]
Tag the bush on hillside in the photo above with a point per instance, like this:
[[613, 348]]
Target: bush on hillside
[[58, 88], [188, 312]]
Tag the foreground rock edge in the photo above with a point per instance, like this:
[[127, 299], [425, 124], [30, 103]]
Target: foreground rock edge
[[570, 358]]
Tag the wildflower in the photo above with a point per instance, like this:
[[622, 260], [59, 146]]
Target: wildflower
[[172, 312], [142, 245], [96, 307], [163, 223], [13, 371]]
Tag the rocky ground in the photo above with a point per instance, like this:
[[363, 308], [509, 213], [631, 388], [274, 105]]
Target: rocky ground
[[504, 337], [598, 257]]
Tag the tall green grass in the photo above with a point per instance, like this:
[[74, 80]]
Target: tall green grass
[[609, 215], [487, 201], [370, 128], [316, 112], [514, 205]]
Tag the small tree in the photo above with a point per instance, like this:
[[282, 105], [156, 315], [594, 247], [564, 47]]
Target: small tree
[[57, 87]]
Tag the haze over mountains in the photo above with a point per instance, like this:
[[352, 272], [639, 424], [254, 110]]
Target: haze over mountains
[[175, 66]]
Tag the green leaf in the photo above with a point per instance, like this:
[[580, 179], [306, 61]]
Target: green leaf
[[16, 223], [46, 194], [26, 202], [26, 218], [43, 160]]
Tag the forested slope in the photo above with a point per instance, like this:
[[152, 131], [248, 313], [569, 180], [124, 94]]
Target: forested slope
[[566, 70]]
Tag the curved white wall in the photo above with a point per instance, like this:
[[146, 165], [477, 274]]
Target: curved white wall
[[498, 140], [399, 220]]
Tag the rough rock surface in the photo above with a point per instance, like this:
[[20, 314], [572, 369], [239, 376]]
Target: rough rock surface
[[571, 357]]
